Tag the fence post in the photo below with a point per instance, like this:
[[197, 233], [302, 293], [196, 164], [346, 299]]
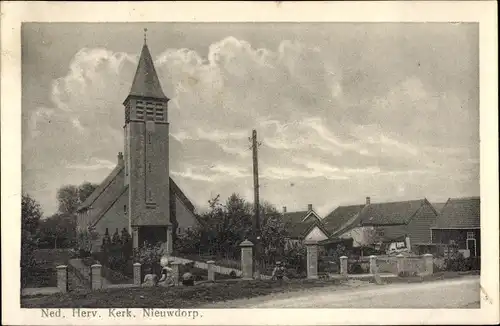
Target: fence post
[[62, 278], [137, 274], [96, 277], [312, 259], [211, 272], [400, 263], [373, 264], [246, 260], [343, 266], [429, 264], [175, 272]]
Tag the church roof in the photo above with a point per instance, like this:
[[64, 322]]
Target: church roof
[[146, 82], [112, 187]]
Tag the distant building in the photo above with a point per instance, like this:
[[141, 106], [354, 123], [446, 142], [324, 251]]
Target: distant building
[[139, 194], [460, 222], [394, 224], [304, 225]]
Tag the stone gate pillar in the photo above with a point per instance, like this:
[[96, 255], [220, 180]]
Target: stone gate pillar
[[246, 260], [373, 264], [211, 270], [96, 277], [62, 278], [135, 237], [429, 264], [312, 259], [137, 274], [400, 260], [343, 266]]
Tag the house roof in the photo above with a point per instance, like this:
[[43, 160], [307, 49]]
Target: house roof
[[312, 225], [460, 213], [438, 206], [146, 82], [350, 224], [340, 216], [378, 214], [295, 224], [390, 213]]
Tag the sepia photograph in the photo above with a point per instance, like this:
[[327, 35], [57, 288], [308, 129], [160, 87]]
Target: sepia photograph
[[170, 168]]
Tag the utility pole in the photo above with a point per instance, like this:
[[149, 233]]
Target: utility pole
[[256, 229]]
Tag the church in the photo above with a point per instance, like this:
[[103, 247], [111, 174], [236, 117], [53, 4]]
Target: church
[[139, 194]]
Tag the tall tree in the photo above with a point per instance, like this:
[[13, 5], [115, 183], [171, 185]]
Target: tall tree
[[85, 190], [31, 213], [68, 199]]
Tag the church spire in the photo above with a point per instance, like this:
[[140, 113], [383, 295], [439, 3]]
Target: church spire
[[146, 82]]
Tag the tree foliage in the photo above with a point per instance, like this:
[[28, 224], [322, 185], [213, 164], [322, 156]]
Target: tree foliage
[[58, 231], [31, 214], [69, 197], [227, 224], [85, 190]]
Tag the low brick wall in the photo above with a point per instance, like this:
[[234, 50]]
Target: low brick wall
[[395, 265]]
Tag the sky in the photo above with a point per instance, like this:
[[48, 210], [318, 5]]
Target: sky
[[343, 111]]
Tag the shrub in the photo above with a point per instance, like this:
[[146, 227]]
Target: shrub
[[461, 264], [28, 246], [232, 274], [355, 268]]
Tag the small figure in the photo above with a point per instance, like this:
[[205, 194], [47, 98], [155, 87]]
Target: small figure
[[278, 272], [150, 279], [167, 277]]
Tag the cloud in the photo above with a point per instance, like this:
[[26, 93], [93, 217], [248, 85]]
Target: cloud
[[94, 164], [316, 128]]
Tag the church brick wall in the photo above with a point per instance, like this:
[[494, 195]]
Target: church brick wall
[[102, 202], [158, 180], [114, 218], [185, 218]]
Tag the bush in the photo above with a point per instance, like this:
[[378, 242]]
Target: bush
[[82, 253], [461, 264], [355, 268], [28, 246]]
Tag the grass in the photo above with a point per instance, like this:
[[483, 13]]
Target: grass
[[176, 297]]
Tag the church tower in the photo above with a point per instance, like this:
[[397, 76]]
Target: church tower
[[146, 156]]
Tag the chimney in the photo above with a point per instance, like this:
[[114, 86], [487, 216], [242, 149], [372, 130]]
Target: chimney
[[310, 207], [367, 200], [120, 158], [284, 209]]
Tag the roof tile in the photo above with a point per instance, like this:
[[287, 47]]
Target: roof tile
[[460, 213]]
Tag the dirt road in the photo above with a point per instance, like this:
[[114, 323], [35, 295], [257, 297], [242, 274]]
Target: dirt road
[[456, 293]]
